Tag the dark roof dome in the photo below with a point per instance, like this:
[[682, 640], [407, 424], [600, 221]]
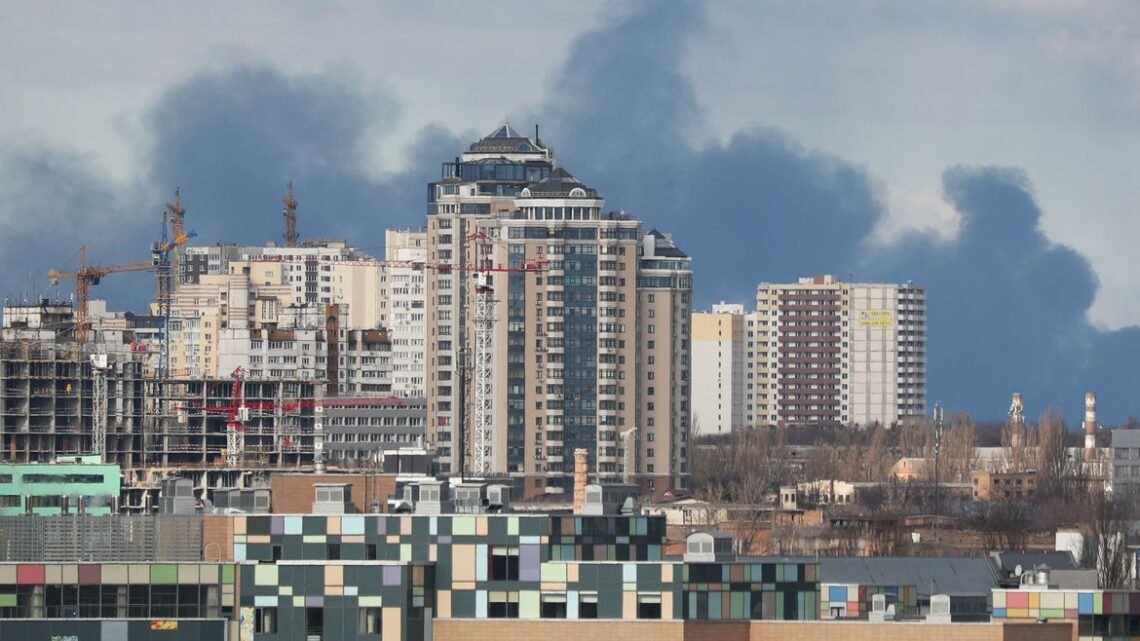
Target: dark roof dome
[[561, 184], [505, 139]]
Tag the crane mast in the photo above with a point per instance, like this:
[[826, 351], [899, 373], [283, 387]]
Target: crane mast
[[483, 403], [99, 406], [290, 215], [239, 414]]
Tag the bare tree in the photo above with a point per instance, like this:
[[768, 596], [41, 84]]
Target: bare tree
[[1019, 442], [959, 453], [1003, 525], [1110, 536], [1055, 471], [878, 459]]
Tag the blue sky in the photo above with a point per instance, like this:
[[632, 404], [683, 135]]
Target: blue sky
[[988, 149]]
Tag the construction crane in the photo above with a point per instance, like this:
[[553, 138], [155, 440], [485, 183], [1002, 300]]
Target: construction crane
[[177, 214], [290, 214], [162, 255], [482, 273], [239, 415], [99, 406], [87, 277]]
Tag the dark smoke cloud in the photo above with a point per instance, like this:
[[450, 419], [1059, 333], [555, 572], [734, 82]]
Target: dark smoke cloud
[[51, 202], [231, 140], [1007, 306]]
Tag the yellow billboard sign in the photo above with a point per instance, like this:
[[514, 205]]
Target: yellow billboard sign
[[876, 318]]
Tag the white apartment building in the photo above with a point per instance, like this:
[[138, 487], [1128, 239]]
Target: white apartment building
[[404, 314], [299, 348]]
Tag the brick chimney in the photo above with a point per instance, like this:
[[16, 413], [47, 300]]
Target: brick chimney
[[581, 473]]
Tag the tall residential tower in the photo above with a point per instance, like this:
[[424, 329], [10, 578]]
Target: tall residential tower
[[590, 352]]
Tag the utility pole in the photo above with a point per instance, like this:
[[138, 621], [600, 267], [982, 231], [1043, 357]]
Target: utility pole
[[939, 420]]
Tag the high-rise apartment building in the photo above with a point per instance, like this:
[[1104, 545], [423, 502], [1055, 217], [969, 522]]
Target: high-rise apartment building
[[405, 309], [591, 352], [832, 352]]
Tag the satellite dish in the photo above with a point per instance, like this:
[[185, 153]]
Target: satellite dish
[[1017, 570]]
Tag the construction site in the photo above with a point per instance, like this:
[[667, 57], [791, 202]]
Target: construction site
[[78, 381]]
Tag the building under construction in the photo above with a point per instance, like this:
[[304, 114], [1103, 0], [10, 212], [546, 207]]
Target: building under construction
[[59, 396]]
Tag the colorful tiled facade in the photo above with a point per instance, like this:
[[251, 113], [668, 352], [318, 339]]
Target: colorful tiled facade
[[532, 567], [1099, 614], [853, 601], [421, 577]]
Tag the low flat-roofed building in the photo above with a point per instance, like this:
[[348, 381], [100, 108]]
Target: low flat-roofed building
[[55, 488]]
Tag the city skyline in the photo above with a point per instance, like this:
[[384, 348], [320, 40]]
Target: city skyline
[[677, 155]]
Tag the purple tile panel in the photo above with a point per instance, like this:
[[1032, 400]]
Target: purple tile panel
[[382, 525], [444, 539], [314, 602], [277, 525], [392, 575], [529, 563]]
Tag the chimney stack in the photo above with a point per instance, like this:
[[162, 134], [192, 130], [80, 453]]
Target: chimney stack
[[1016, 420], [1090, 426], [581, 471]]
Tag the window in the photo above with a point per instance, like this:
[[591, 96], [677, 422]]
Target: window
[[588, 605], [265, 620], [334, 551], [503, 605], [45, 501], [9, 500], [368, 621], [63, 478], [649, 606], [554, 606], [504, 564]]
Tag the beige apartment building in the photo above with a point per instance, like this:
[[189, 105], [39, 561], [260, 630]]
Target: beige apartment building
[[719, 369], [591, 352]]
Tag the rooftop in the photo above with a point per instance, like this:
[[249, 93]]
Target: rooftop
[[506, 139], [559, 184]]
